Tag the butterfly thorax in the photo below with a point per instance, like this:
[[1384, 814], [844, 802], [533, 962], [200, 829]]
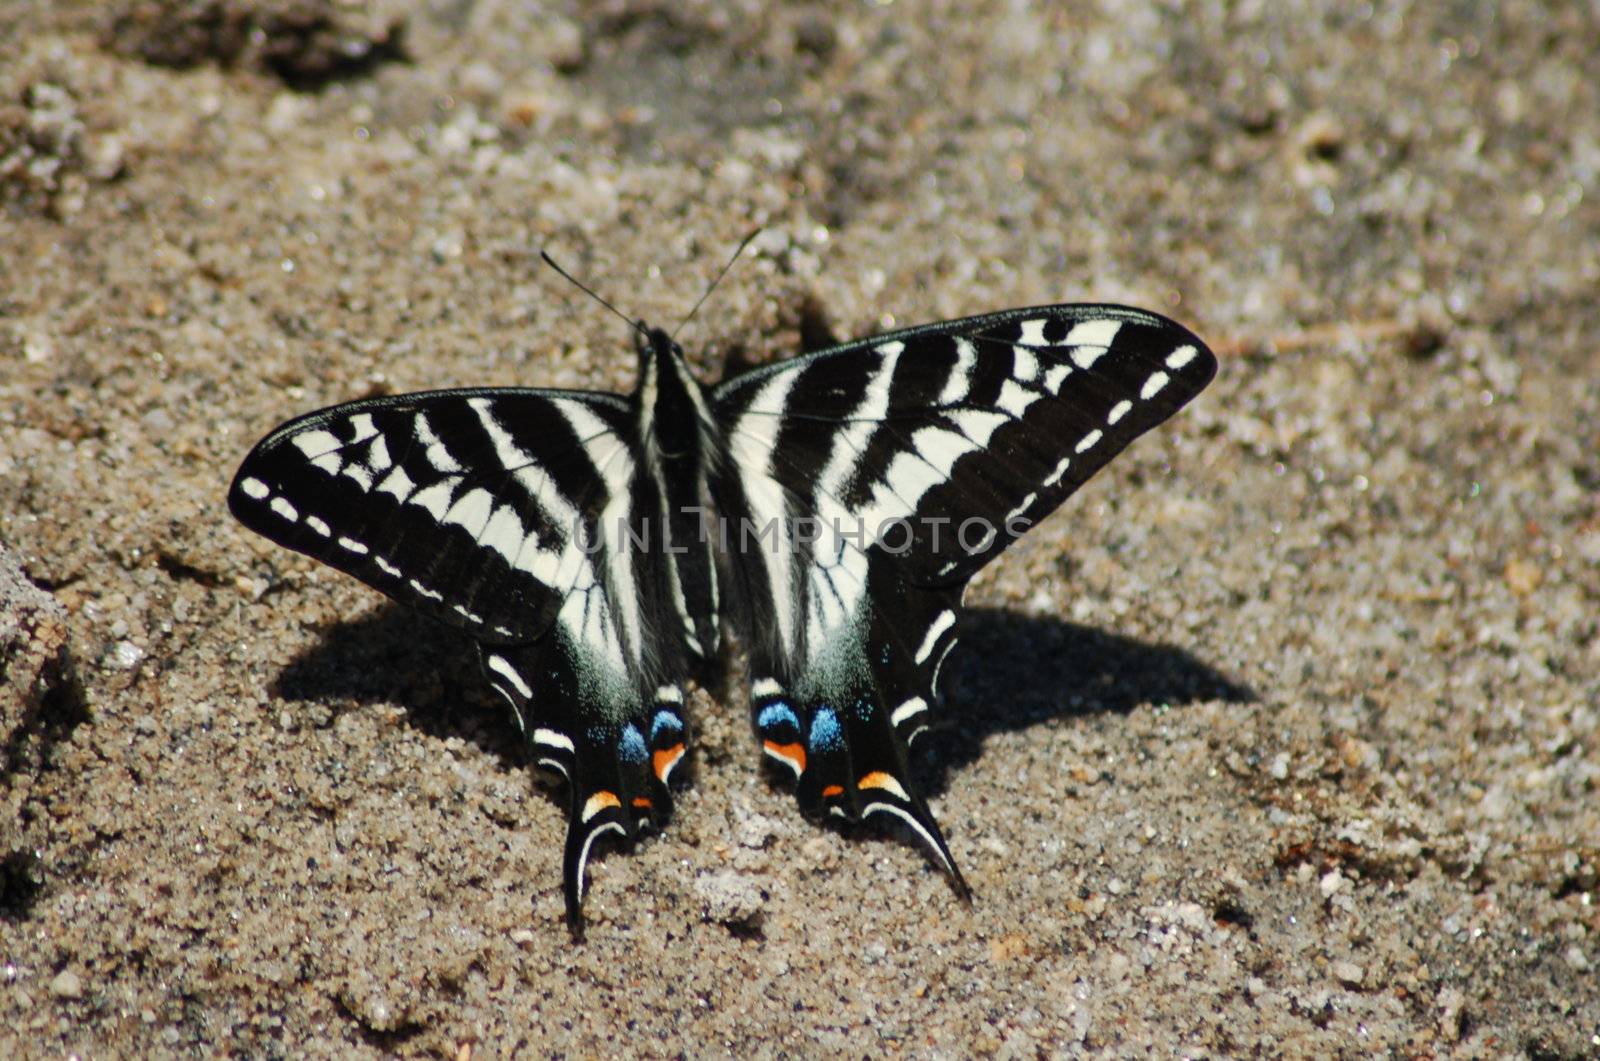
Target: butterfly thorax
[[669, 402], [675, 430]]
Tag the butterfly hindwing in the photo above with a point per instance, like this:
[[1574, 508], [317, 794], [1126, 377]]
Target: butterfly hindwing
[[616, 754], [895, 468]]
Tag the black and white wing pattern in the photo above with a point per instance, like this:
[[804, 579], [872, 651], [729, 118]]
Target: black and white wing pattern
[[856, 491], [878, 477], [506, 513]]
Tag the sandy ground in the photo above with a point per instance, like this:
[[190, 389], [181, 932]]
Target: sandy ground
[[1281, 738]]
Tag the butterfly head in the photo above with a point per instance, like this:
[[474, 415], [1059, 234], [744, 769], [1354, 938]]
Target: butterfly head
[[654, 345]]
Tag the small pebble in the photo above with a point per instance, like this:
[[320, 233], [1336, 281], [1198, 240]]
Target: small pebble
[[66, 985]]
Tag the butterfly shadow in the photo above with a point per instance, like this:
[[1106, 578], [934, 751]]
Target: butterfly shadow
[[394, 655], [1011, 672]]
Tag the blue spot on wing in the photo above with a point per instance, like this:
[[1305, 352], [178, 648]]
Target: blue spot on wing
[[826, 736], [631, 747], [776, 714], [664, 722]]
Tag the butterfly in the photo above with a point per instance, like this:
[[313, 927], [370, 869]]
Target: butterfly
[[835, 505]]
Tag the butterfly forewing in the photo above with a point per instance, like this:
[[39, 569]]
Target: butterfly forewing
[[467, 505], [988, 422]]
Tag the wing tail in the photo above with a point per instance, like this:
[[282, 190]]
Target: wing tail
[[618, 770]]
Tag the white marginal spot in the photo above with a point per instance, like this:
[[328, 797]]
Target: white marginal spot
[[1061, 469], [386, 567], [425, 591], [282, 507], [502, 666], [669, 694], [1033, 332], [433, 448], [554, 764], [1087, 442], [1152, 386], [468, 614], [1181, 356], [319, 525], [914, 706], [254, 488], [1026, 504], [1118, 411], [353, 546], [762, 688], [552, 739], [942, 622], [960, 379]]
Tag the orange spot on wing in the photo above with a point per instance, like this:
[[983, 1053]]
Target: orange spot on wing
[[794, 754], [642, 801], [598, 802], [832, 790], [876, 779], [665, 759]]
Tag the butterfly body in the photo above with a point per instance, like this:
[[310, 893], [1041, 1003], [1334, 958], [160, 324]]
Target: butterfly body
[[837, 503]]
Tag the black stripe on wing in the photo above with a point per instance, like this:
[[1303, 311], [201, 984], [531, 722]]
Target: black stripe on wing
[[465, 504], [987, 423]]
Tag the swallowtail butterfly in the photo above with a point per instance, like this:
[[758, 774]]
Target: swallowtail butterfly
[[838, 503]]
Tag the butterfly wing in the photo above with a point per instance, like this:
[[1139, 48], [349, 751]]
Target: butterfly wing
[[884, 473], [505, 513]]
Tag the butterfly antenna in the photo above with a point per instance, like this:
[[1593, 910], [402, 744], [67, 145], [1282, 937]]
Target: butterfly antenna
[[733, 258], [581, 286]]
